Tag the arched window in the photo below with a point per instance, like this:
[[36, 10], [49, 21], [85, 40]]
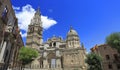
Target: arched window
[[54, 44], [31, 30]]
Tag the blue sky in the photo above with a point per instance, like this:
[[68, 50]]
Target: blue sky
[[92, 19]]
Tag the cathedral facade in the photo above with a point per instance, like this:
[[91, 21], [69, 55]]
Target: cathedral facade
[[55, 53]]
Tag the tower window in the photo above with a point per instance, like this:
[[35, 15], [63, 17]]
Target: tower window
[[107, 57], [39, 32], [72, 61], [110, 66], [31, 30], [115, 56], [118, 66]]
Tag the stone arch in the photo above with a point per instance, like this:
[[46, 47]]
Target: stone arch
[[54, 44], [51, 59]]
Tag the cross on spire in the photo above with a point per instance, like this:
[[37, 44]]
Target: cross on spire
[[71, 27]]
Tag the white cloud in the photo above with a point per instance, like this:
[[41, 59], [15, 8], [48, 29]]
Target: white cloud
[[16, 8], [24, 34], [25, 15], [47, 22]]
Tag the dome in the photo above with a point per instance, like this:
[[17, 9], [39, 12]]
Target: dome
[[72, 32], [72, 39], [72, 35]]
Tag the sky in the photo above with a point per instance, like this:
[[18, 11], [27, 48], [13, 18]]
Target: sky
[[94, 20]]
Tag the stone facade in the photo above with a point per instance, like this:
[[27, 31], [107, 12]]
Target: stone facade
[[55, 53], [110, 56], [10, 38]]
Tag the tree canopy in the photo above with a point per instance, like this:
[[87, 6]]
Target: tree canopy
[[114, 40], [26, 55], [94, 61]]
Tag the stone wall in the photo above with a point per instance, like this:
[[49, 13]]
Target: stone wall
[[10, 33], [110, 59]]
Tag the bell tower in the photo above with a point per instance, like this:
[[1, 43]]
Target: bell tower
[[34, 34]]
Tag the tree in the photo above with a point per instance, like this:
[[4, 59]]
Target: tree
[[114, 40], [26, 55], [94, 61]]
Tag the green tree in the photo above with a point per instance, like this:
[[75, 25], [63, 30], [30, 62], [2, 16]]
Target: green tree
[[94, 61], [26, 55], [114, 40]]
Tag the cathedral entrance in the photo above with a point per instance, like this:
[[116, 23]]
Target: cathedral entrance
[[52, 60], [53, 63]]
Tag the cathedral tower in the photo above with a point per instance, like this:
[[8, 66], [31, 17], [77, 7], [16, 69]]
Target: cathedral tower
[[34, 34]]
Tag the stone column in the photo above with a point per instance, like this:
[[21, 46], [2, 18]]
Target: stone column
[[3, 51], [58, 63], [57, 44], [45, 63]]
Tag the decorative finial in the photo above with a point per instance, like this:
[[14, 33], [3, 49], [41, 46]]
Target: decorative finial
[[38, 8], [71, 27], [82, 45], [54, 36]]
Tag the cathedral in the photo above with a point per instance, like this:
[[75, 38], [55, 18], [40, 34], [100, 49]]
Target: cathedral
[[55, 53]]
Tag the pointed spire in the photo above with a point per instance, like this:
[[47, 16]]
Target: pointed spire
[[38, 11], [36, 20]]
